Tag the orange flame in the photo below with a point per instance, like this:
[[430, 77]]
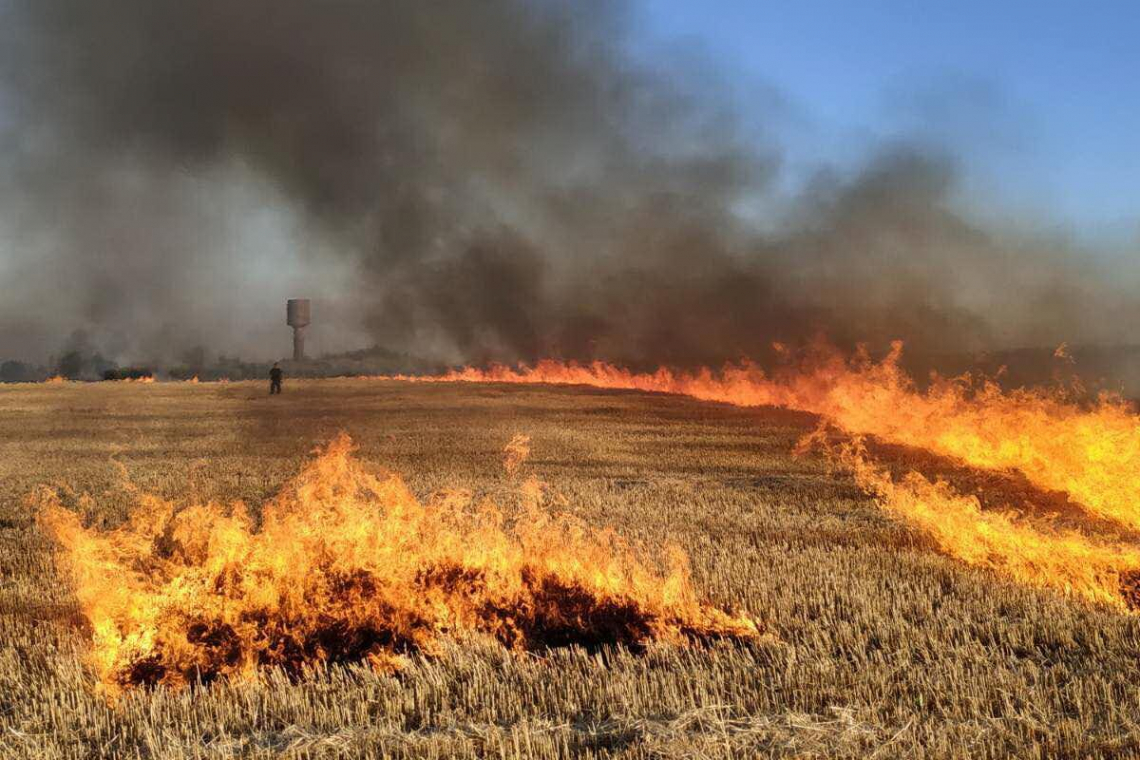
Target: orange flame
[[1100, 571], [515, 453], [1093, 453], [56, 380], [347, 566]]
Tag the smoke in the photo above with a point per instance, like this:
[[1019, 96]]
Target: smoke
[[499, 180]]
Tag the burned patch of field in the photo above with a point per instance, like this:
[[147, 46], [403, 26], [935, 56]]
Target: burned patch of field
[[882, 645]]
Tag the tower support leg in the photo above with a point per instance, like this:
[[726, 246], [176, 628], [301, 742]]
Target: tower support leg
[[298, 344]]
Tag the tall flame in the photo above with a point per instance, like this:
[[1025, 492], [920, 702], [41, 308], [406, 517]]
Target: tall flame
[[347, 566], [1092, 453]]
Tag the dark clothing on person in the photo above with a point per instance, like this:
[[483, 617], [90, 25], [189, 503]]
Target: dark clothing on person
[[275, 376]]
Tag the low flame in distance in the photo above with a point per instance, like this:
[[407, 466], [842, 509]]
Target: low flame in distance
[[1090, 452], [346, 566]]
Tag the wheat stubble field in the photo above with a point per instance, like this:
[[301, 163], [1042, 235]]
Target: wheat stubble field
[[876, 645]]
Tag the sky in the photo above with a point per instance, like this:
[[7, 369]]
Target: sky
[[1039, 101]]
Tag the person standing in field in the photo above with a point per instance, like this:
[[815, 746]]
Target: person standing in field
[[275, 376]]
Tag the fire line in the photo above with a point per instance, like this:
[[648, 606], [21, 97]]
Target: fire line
[[346, 566]]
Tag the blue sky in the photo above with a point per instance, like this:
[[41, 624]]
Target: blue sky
[[1040, 101]]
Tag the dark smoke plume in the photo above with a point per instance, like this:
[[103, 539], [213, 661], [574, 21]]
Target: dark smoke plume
[[492, 180]]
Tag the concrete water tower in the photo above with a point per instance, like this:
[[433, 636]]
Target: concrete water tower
[[297, 317]]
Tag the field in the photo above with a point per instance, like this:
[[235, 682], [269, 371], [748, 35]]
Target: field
[[877, 646]]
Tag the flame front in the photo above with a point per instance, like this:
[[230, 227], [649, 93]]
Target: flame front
[[1091, 453], [1100, 571], [346, 566]]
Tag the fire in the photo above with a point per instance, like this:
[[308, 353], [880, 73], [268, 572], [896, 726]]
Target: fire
[[1099, 571], [348, 566], [515, 454], [1092, 453], [56, 380]]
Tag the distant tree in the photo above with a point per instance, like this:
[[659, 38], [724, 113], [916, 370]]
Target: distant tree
[[70, 365], [127, 373], [83, 365]]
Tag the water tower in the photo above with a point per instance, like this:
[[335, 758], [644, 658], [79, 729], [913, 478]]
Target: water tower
[[297, 317]]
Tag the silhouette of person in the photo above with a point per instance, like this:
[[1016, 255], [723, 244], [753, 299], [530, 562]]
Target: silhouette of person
[[275, 376]]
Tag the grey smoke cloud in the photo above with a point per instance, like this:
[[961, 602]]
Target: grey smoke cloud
[[483, 181]]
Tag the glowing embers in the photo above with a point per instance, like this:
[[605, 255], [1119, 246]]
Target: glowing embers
[[345, 566]]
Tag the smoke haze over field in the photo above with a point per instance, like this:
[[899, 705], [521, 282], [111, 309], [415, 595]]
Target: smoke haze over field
[[498, 180]]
